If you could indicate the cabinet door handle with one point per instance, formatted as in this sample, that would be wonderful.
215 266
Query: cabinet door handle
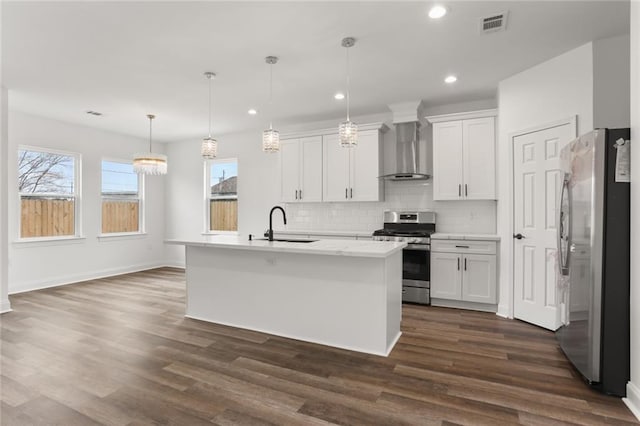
459 190
465 190
296 191
351 195
462 246
346 193
465 263
458 264
300 194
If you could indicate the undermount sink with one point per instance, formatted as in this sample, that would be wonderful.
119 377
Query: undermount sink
282 240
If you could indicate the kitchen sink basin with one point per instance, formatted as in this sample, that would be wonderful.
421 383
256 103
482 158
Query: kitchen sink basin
282 240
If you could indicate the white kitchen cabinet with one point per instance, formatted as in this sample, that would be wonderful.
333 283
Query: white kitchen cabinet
464 156
446 279
301 170
352 174
464 271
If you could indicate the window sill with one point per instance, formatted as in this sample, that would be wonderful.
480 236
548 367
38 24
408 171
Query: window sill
220 233
122 236
47 241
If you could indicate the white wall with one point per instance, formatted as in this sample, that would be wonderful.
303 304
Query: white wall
5 305
553 90
633 388
38 264
610 69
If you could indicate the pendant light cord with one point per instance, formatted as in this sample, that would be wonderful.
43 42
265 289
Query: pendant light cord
348 81
209 77
150 125
270 96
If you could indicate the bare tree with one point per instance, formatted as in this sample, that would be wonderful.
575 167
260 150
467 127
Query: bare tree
41 172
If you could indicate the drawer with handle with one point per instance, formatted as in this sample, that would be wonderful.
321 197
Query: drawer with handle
463 246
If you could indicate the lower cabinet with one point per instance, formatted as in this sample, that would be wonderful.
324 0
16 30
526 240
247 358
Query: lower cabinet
459 274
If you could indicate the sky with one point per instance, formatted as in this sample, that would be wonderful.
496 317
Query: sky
118 178
229 169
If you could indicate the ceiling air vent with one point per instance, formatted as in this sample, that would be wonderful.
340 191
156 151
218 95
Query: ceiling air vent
96 113
494 23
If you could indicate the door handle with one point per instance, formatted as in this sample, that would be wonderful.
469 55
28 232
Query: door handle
458 264
465 190
351 193
346 193
300 194
465 263
459 190
518 236
296 191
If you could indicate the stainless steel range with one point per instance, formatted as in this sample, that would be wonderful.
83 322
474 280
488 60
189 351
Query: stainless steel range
414 228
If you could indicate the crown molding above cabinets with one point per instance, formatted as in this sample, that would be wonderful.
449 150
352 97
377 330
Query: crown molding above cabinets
462 115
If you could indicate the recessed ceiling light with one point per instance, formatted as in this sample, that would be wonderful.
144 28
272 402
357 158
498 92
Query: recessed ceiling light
252 111
339 96
437 12
451 79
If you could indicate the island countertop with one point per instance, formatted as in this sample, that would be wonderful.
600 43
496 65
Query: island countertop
357 248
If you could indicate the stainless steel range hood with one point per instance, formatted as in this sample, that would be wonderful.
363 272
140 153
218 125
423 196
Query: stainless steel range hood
407 164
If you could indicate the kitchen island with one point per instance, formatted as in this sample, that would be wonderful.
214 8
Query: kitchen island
341 293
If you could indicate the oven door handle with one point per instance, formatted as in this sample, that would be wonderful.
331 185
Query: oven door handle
421 247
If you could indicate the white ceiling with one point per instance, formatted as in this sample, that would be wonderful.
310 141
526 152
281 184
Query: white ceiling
128 59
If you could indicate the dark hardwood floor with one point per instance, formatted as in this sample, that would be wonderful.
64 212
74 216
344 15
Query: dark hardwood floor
118 351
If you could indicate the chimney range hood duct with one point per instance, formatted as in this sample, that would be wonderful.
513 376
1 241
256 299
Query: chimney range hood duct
407 138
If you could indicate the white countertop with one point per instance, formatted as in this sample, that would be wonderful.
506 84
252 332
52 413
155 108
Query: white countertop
469 237
358 248
358 234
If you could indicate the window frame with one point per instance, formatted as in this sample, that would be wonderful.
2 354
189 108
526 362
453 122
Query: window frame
141 203
207 194
76 195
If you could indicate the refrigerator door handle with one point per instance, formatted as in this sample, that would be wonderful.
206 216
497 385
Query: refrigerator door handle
564 225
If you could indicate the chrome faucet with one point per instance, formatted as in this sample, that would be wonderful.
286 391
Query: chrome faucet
269 233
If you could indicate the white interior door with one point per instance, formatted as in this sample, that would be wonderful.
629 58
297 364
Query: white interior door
537 183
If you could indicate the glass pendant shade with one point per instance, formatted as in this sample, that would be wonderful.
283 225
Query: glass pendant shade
209 148
348 132
149 163
270 141
271 137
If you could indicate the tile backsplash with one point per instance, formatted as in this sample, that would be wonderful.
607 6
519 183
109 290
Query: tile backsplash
452 216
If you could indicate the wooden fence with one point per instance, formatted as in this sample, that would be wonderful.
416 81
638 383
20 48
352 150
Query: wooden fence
223 215
120 216
42 217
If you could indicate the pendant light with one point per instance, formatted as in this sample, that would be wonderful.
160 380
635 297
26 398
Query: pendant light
271 137
209 149
348 130
149 163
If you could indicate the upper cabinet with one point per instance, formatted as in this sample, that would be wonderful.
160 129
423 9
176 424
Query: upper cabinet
301 169
464 156
353 174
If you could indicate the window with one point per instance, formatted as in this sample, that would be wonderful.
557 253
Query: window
121 200
48 188
222 195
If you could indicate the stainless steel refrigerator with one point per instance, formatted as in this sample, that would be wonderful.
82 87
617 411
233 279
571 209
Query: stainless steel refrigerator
594 259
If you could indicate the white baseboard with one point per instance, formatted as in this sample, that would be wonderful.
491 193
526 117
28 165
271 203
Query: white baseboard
503 311
175 264
75 278
633 399
5 306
